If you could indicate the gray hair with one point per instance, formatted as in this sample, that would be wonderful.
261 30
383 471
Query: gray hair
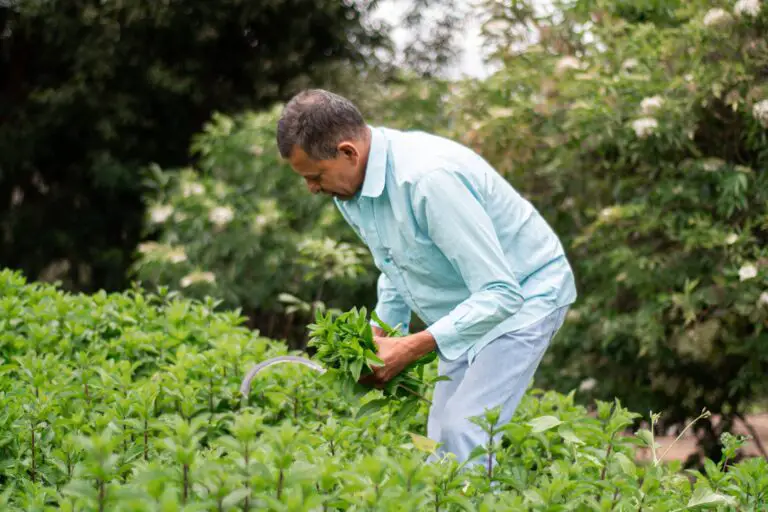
316 121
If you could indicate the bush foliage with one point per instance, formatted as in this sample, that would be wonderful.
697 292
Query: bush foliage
640 130
129 402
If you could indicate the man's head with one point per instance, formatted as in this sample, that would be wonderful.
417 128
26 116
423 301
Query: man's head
326 140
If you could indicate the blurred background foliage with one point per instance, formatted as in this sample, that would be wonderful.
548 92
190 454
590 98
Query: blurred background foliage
137 142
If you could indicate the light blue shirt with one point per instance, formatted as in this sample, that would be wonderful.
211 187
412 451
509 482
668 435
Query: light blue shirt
454 243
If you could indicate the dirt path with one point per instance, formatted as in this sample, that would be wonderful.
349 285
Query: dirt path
687 444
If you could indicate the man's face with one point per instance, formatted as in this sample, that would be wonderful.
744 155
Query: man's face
340 177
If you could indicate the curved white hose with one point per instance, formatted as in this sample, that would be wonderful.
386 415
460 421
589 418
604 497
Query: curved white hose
245 387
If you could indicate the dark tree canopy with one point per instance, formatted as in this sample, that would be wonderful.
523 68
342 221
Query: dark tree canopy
91 92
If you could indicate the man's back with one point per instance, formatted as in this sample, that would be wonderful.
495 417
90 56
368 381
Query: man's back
443 225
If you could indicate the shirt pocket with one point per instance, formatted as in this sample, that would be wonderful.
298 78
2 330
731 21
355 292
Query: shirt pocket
425 264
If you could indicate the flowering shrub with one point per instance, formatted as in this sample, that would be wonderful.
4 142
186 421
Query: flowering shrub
129 402
241 226
640 130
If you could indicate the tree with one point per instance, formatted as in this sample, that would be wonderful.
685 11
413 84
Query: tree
640 129
91 92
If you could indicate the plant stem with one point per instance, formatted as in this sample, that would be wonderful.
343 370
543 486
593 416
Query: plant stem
607 456
210 395
186 483
146 440
247 503
702 415
414 393
102 495
280 484
490 456
34 467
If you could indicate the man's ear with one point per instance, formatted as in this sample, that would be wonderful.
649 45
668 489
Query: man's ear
349 150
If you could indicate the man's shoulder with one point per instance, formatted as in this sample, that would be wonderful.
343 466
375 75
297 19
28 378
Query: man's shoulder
416 153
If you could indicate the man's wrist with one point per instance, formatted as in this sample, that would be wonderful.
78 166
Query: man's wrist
419 344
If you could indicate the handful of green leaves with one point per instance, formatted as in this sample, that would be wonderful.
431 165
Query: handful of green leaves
345 347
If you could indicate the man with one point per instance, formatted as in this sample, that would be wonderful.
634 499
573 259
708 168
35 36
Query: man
454 242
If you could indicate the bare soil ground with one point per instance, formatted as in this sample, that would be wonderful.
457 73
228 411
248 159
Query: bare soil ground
687 444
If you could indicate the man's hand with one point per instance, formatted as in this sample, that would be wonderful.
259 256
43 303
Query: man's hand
378 332
397 353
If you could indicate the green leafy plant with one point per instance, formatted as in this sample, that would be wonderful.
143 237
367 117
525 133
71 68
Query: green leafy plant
128 402
344 344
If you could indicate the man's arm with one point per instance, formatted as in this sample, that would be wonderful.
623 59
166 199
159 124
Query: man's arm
448 209
390 307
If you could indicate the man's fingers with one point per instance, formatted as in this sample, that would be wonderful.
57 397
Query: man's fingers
373 379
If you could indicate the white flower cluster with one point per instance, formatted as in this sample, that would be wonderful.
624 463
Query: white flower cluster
644 126
197 277
160 213
747 271
221 216
566 63
712 164
268 214
650 105
629 64
156 251
760 111
192 189
717 17
647 124
747 7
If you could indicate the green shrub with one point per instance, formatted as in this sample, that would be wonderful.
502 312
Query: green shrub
241 226
640 130
129 402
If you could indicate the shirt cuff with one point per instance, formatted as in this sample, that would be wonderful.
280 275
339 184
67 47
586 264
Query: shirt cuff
448 339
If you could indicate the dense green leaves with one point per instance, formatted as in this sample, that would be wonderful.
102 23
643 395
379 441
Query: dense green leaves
344 345
142 413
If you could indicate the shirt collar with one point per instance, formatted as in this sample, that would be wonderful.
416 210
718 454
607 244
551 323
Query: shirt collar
376 169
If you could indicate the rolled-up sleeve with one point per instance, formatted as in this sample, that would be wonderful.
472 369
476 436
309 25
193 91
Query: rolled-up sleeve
447 207
390 307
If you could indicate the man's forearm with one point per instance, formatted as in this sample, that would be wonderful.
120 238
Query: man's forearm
419 344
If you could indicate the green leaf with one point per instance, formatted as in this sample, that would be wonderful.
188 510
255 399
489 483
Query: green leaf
372 359
372 406
568 435
407 408
543 423
704 496
355 368
647 437
627 466
422 443
235 497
